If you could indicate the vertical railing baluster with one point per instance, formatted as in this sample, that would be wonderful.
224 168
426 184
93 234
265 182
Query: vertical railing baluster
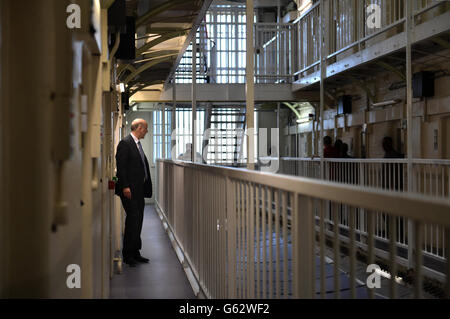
247 240
431 238
270 241
304 246
216 208
239 239
430 180
418 259
209 228
277 243
251 254
392 256
285 245
264 244
222 234
336 247
436 178
352 254
231 227
447 267
322 248
370 245
258 241
437 239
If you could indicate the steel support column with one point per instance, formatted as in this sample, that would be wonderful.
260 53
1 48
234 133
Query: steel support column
194 94
409 142
174 120
279 134
250 87
163 119
323 70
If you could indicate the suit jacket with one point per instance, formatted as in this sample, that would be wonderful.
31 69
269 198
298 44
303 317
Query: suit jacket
130 169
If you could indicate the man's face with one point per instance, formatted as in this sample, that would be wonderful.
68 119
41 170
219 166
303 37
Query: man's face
142 130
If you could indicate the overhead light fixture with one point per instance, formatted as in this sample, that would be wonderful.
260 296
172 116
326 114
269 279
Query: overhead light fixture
120 87
385 103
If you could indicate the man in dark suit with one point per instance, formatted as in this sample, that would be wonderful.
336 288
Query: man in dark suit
133 185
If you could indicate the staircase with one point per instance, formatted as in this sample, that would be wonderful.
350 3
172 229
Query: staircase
184 69
225 140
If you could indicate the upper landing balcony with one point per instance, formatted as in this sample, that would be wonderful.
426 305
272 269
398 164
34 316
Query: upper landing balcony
361 38
365 37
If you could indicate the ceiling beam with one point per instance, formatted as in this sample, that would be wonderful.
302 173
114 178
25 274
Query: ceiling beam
142 20
220 93
145 67
441 42
161 39
389 67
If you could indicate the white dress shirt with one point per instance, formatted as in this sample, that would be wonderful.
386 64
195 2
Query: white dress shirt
136 140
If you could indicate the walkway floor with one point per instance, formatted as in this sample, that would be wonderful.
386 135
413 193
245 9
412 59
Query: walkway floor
163 277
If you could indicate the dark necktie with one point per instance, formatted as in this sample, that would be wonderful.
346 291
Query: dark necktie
141 151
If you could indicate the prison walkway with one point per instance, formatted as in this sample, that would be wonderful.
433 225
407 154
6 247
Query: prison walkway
163 277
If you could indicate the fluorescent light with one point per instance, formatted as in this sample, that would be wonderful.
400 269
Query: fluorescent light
302 121
385 103
120 87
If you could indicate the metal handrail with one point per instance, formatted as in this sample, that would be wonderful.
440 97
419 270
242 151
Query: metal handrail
366 160
218 214
359 39
367 197
307 12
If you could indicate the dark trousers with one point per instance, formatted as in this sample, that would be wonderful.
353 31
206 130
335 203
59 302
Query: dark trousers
134 209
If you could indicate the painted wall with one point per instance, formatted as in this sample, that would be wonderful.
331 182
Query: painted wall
430 117
56 212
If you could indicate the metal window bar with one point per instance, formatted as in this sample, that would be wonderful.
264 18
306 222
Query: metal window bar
221 42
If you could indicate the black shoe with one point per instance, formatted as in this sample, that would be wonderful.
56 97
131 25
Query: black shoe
141 259
130 262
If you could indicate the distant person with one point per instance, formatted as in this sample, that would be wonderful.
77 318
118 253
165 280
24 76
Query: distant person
338 147
388 148
329 151
187 155
392 179
392 173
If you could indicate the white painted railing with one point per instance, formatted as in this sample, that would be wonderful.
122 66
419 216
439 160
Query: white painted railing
247 234
348 27
275 48
430 177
